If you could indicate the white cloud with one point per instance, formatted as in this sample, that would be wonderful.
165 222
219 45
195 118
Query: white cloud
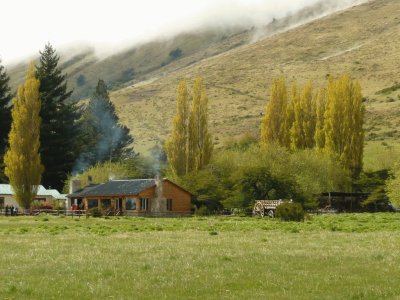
28 25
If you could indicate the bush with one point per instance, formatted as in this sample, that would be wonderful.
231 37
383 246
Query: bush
290 212
95 212
36 204
175 54
202 211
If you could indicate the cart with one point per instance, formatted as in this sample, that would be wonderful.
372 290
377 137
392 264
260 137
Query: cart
267 207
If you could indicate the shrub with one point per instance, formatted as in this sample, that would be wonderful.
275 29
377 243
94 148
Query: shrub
175 54
202 211
36 204
290 212
95 212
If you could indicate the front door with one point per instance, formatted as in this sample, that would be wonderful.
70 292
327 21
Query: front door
119 204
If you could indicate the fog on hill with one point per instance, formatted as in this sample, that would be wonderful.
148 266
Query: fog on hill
129 24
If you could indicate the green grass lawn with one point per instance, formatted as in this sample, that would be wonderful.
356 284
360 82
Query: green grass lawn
353 256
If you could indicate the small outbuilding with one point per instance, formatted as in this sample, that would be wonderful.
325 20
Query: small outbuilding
43 194
136 197
343 202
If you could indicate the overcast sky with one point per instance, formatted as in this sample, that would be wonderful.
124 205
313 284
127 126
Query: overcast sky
27 25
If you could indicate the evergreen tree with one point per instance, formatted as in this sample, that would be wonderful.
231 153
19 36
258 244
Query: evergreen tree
5 116
200 142
106 139
59 131
273 123
344 119
22 160
177 144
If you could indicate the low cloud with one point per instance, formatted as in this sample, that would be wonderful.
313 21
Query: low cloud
111 25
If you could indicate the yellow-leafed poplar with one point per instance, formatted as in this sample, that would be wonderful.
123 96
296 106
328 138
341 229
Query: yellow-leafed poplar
177 144
22 159
273 123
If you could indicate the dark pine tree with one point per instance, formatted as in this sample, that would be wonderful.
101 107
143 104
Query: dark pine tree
5 117
105 138
59 132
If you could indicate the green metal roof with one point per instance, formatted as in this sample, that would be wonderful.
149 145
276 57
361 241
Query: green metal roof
6 189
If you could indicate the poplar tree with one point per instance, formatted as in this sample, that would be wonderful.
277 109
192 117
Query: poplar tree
303 129
289 117
22 160
320 103
5 116
273 123
344 118
309 115
59 132
296 131
200 142
177 144
189 147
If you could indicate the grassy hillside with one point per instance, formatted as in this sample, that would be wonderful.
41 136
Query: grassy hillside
362 41
239 64
160 57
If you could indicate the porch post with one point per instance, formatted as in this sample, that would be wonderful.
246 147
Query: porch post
137 201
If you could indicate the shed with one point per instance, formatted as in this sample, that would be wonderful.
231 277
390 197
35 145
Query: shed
7 195
342 201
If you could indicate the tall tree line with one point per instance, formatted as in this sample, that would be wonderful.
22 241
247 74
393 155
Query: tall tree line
66 129
330 119
189 146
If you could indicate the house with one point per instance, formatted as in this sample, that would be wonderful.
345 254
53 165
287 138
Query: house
136 197
7 195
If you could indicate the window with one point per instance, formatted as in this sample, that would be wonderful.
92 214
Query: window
92 203
1 202
130 204
144 203
169 204
105 203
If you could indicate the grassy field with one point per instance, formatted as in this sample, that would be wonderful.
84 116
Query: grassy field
353 256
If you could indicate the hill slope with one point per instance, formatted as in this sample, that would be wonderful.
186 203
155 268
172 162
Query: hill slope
238 65
160 57
362 41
